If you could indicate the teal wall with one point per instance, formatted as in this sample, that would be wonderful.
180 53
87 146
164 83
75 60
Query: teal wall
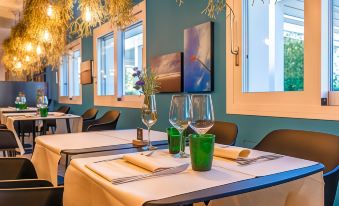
165 24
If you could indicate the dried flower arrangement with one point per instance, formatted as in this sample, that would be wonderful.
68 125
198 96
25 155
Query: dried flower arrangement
147 83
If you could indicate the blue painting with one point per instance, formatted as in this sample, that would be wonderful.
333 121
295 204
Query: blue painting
198 58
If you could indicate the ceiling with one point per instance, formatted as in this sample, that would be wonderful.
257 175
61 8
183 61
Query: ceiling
9 13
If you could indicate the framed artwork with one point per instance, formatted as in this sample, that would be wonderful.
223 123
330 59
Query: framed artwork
86 72
168 69
198 58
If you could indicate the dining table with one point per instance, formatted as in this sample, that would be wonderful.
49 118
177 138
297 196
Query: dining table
91 179
65 123
4 110
53 150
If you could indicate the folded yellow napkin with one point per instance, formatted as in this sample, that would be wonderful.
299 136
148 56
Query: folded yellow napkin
231 152
58 114
150 163
117 168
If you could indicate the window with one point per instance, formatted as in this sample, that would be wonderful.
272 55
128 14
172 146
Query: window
335 44
69 75
106 65
116 54
133 47
279 66
279 70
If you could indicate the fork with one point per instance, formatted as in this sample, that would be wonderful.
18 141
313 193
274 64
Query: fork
160 173
243 161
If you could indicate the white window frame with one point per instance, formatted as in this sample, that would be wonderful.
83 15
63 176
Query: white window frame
301 104
118 100
70 48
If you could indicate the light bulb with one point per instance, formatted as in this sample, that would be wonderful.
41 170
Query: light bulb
18 65
15 58
49 11
46 35
27 58
88 15
29 47
38 50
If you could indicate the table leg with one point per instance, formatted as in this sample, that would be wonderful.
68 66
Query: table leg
20 134
68 126
33 133
44 123
66 163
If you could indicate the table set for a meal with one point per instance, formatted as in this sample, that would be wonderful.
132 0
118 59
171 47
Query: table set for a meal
64 123
149 178
119 168
50 148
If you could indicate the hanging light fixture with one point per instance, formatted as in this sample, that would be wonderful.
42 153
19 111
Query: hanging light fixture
38 50
33 44
49 11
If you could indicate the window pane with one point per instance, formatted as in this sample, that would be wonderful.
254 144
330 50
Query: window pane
76 73
335 45
133 45
105 65
63 84
274 54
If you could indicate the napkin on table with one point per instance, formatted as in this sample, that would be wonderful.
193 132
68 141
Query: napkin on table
231 152
117 168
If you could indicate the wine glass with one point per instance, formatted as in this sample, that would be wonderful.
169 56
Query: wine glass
180 117
149 117
202 113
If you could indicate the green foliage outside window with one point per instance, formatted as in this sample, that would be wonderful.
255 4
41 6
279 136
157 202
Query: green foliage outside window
293 64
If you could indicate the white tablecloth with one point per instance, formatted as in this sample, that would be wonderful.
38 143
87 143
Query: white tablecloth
86 188
75 123
4 110
46 155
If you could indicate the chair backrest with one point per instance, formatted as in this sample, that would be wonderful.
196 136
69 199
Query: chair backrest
2 126
90 114
225 132
63 109
7 140
24 183
315 146
40 196
107 122
16 168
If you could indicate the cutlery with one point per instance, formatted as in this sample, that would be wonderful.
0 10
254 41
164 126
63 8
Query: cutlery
246 161
160 173
107 160
148 154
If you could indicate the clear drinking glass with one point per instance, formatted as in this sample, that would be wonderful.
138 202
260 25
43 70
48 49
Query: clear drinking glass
180 116
149 117
202 113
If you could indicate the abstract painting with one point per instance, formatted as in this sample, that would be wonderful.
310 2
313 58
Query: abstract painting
168 69
198 58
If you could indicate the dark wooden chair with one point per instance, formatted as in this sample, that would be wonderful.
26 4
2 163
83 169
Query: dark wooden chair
52 123
88 118
225 132
315 146
2 126
30 193
8 144
107 122
16 168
